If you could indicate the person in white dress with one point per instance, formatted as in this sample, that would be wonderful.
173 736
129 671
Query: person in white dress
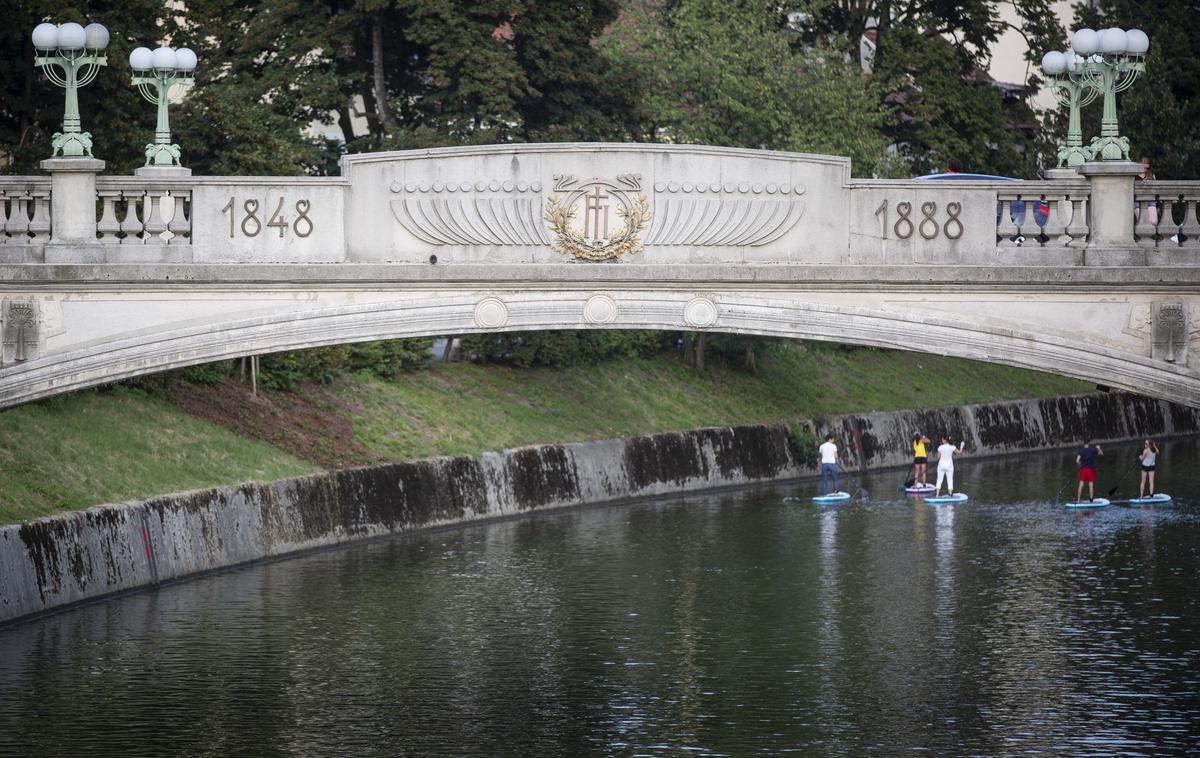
946 453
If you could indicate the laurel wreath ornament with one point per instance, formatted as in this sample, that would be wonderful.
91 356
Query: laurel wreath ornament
628 240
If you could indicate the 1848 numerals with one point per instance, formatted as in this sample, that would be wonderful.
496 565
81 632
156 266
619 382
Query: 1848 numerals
927 227
251 225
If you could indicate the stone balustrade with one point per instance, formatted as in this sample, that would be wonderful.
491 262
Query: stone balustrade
24 210
563 203
1050 214
138 211
1166 215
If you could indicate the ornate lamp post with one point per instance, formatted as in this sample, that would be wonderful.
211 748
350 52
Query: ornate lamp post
154 73
1063 75
1114 60
71 57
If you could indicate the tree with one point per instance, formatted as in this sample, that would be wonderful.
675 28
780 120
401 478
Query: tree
1160 113
723 73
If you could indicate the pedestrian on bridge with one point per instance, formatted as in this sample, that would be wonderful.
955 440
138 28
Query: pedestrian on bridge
1085 458
829 464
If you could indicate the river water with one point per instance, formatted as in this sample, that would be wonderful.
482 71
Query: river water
717 624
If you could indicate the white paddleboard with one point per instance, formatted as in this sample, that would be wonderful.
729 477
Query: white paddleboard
957 497
1099 502
832 498
1156 499
919 489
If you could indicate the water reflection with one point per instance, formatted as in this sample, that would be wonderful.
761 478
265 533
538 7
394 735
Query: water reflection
718 624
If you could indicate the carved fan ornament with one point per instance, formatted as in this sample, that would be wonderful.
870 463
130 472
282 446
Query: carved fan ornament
593 241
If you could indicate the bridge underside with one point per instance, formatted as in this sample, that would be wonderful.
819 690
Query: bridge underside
97 324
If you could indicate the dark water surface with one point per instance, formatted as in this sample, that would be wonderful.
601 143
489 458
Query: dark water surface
729 623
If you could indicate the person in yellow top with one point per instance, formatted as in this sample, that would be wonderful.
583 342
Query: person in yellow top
919 459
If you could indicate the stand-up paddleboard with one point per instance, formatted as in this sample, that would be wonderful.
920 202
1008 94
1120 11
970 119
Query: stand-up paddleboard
1156 499
957 497
920 489
1099 502
833 498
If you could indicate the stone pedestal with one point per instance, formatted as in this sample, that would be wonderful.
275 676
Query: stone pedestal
1060 174
162 172
1111 240
72 199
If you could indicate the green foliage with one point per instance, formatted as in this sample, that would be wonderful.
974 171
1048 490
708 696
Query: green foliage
386 359
804 444
721 73
207 373
1160 113
562 348
952 117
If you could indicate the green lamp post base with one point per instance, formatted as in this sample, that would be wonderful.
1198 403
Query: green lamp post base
72 144
1110 148
162 155
1072 156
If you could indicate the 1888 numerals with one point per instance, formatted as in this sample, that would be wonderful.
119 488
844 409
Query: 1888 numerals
928 227
252 225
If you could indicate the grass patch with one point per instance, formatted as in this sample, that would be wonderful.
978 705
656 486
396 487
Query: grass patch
86 448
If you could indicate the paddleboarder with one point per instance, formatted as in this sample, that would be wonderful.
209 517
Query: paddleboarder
946 452
1148 458
829 463
1085 458
919 459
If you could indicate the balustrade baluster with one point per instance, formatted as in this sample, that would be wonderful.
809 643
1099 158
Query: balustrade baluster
1078 228
180 226
3 216
1005 228
108 226
1056 221
1167 228
132 225
1146 224
39 225
17 225
1028 227
155 223
1190 229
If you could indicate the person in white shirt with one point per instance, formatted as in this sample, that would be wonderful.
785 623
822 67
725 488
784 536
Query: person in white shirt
946 453
829 465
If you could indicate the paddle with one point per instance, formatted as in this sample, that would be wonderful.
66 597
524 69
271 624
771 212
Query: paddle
1122 479
1058 495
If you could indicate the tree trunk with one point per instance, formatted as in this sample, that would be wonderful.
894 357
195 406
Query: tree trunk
448 350
380 83
749 363
701 348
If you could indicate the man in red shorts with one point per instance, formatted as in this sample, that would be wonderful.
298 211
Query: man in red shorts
1085 458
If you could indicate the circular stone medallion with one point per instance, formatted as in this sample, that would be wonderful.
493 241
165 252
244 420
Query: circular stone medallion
600 309
491 313
700 312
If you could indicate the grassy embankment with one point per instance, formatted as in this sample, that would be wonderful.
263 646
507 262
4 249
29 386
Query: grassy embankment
108 446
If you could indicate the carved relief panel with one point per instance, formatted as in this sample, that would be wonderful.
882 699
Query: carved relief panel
1170 332
19 330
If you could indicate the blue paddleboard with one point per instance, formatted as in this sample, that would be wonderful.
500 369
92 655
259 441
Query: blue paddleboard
833 498
957 497
1099 502
1156 499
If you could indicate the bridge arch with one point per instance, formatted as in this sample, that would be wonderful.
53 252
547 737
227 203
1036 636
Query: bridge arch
314 319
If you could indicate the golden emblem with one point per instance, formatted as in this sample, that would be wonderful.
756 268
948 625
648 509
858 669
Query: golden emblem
591 238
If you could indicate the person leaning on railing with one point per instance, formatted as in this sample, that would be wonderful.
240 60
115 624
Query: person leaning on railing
1147 175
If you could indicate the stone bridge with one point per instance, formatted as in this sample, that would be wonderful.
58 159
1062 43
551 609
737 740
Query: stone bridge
106 277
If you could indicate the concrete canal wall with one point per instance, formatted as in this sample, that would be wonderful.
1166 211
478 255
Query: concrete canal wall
83 555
